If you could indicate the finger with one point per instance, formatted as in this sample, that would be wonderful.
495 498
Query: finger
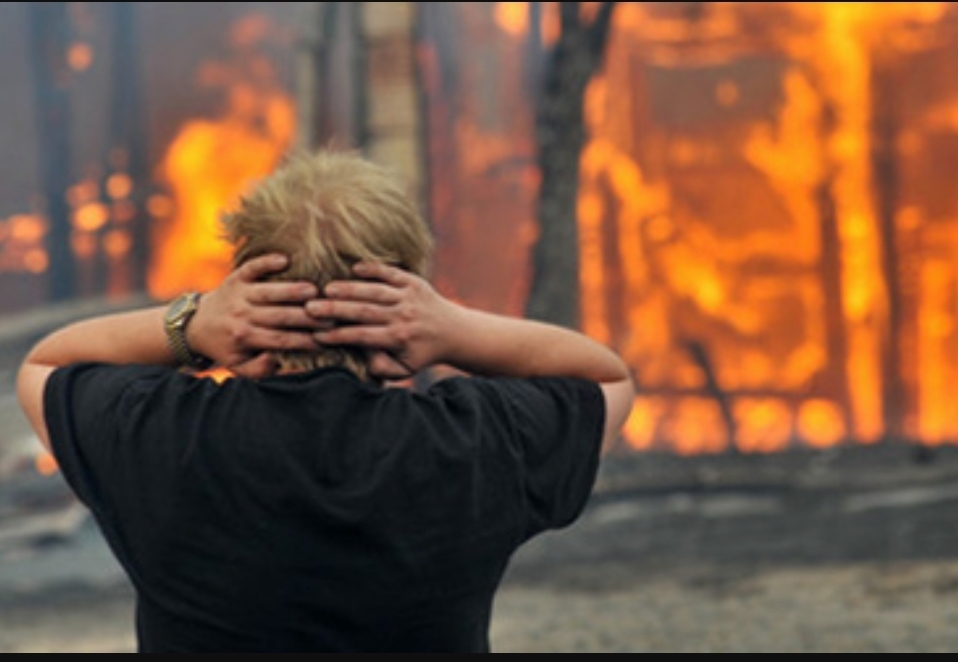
256 268
384 272
287 317
348 311
274 339
385 366
375 337
356 290
262 365
282 292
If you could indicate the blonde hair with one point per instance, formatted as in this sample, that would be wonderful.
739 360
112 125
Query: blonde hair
326 211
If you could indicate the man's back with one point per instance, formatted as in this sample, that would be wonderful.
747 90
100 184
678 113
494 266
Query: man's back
315 511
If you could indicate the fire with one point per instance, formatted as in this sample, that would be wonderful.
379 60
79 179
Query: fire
740 243
212 161
767 230
80 56
513 17
21 244
46 464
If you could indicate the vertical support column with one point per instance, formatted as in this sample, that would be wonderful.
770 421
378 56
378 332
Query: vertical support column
310 51
392 127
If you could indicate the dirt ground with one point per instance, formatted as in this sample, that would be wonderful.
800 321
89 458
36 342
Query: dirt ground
857 607
852 607
838 553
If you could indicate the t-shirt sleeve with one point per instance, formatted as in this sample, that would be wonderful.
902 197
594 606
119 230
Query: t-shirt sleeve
555 430
83 411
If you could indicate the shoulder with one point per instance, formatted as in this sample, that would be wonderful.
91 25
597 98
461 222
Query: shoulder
102 376
557 389
551 406
96 386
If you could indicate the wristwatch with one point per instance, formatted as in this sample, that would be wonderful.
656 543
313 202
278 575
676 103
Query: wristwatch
177 316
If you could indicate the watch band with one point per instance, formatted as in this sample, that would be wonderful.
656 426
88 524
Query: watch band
178 315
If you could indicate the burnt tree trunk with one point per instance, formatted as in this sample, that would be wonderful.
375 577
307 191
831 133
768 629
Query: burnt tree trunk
561 135
887 182
836 336
49 37
127 133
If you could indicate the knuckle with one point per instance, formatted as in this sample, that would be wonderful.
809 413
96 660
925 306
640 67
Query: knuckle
403 335
240 334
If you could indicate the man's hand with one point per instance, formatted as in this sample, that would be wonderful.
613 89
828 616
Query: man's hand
394 314
240 321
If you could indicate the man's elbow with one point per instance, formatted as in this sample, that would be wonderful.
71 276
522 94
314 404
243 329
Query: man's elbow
619 398
31 382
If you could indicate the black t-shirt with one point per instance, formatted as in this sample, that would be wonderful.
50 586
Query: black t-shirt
317 512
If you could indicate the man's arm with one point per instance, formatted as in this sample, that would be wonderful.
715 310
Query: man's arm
234 325
412 325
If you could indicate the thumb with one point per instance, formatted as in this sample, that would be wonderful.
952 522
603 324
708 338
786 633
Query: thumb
263 364
384 365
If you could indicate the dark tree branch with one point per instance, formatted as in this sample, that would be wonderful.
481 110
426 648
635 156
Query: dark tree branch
599 30
569 17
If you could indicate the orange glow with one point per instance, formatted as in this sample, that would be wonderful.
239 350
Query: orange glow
36 261
218 375
83 192
727 93
212 161
122 211
117 243
160 206
84 245
937 420
639 428
762 426
695 426
513 18
91 217
119 185
820 423
27 228
45 464
22 244
79 56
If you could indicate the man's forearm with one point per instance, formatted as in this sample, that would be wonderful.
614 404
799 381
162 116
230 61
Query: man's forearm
486 343
128 337
490 344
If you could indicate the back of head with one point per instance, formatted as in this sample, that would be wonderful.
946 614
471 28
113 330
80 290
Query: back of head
326 211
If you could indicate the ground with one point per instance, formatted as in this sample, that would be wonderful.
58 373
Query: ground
859 607
851 550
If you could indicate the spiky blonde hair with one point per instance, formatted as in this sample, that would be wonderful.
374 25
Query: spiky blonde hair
326 211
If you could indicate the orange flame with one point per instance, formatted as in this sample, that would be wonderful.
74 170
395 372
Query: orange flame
212 161
21 244
45 464
718 227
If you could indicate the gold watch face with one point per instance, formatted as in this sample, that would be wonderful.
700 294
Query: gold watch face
180 309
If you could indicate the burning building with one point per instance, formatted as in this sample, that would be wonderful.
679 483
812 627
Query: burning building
765 224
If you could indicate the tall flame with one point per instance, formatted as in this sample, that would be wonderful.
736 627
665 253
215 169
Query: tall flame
675 257
734 234
211 162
